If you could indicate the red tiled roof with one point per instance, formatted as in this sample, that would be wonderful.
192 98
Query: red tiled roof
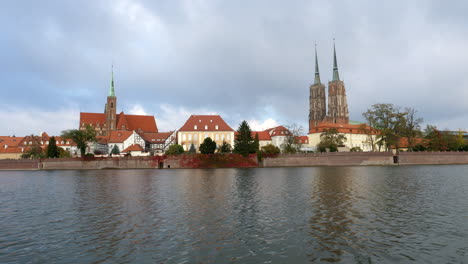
131 122
142 123
156 137
119 136
302 139
276 131
92 118
10 141
11 150
133 147
122 121
342 128
208 121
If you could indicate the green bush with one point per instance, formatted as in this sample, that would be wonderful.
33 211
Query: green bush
175 149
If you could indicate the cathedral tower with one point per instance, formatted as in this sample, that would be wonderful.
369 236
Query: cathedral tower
111 108
337 102
317 107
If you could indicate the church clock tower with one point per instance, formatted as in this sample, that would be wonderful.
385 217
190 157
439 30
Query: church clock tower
111 108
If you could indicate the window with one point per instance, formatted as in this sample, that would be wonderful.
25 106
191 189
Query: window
195 127
190 137
25 143
195 137
199 121
206 135
47 142
184 137
30 142
216 127
62 142
217 136
42 142
228 137
152 139
211 121
206 127
282 132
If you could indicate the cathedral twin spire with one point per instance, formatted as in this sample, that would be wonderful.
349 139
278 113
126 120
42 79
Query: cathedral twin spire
111 90
336 75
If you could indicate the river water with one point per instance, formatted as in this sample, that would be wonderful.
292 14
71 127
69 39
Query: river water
403 214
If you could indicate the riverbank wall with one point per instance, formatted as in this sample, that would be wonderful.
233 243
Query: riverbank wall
330 159
428 158
172 162
237 161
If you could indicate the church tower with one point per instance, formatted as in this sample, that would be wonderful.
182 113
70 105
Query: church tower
111 108
317 107
337 102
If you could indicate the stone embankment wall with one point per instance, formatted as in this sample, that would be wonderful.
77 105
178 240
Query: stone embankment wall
211 161
415 158
330 159
100 163
28 164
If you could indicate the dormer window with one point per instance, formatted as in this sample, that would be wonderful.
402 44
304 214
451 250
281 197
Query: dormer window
68 142
206 127
216 127
47 142
199 120
195 127
152 139
211 121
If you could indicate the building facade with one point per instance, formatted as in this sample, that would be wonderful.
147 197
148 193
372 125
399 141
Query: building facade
199 127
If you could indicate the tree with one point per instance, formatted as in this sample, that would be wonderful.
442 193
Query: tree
175 149
35 152
115 150
225 148
63 153
331 139
244 143
52 149
388 119
411 127
192 149
291 143
208 146
270 150
256 144
80 137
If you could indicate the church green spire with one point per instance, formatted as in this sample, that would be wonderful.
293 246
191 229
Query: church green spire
112 91
336 75
317 73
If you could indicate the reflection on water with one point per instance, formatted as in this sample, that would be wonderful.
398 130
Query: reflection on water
282 215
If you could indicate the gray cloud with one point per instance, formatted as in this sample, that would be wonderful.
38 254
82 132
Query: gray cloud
247 60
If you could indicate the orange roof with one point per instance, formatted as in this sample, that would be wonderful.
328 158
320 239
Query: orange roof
142 123
133 147
156 137
10 141
278 131
342 128
11 150
119 136
92 118
122 121
205 123
131 122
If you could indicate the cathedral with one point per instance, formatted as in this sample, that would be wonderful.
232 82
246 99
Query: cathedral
336 114
337 103
105 123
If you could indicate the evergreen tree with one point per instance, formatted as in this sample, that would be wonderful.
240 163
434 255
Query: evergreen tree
52 149
208 146
115 150
192 149
256 144
244 142
225 148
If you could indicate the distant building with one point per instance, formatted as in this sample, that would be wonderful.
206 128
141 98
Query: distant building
105 123
337 116
199 127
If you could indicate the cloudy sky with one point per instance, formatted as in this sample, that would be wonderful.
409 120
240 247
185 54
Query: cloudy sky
250 60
